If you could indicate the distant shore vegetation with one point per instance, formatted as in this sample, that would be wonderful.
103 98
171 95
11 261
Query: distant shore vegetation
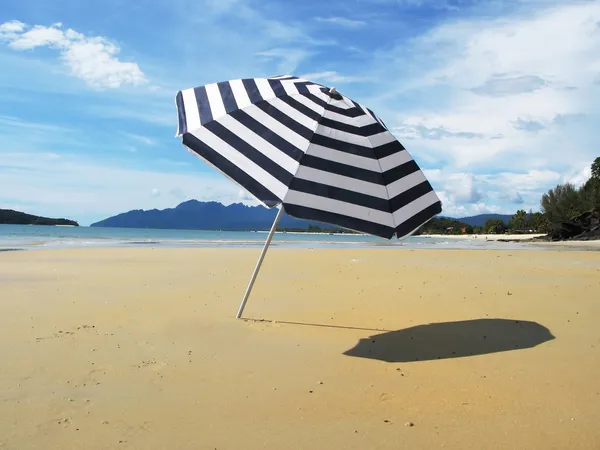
12 217
561 207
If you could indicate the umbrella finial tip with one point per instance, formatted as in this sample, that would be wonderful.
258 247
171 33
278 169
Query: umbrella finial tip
333 93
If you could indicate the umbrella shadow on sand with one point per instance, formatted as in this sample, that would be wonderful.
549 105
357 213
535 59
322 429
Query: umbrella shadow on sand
451 340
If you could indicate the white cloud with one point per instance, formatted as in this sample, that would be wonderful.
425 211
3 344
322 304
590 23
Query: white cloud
468 95
92 59
525 181
458 187
463 188
342 21
155 192
504 107
520 54
178 194
453 209
580 177
466 193
245 197
12 26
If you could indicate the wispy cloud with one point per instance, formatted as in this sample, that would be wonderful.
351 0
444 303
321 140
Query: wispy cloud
93 59
286 59
517 198
532 126
342 21
333 77
469 90
88 190
498 86
568 119
17 123
496 77
139 138
168 162
17 134
156 115
433 133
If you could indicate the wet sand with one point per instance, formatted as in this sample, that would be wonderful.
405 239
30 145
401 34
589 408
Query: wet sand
590 245
349 349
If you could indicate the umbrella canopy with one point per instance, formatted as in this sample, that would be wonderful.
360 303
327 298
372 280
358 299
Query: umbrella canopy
310 149
302 145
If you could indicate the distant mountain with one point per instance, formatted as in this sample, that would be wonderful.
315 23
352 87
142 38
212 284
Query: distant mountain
195 215
12 217
481 219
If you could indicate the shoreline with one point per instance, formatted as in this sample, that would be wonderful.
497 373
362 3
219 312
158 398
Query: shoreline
444 245
486 237
22 238
522 238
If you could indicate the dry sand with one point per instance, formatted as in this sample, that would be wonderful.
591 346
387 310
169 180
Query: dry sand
139 349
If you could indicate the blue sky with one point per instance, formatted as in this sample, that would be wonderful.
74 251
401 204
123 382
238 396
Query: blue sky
497 100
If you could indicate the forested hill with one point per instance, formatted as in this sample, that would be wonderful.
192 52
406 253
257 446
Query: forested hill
12 217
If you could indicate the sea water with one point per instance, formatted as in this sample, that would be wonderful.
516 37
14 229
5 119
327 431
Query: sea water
30 237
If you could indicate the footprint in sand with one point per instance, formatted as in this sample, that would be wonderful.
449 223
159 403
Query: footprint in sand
91 379
151 364
64 334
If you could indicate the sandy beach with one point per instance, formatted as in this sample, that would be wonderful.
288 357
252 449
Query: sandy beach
348 349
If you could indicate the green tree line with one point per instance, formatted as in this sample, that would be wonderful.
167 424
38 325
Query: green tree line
12 217
566 201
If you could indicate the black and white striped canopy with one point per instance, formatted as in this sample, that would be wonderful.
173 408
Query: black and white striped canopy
298 143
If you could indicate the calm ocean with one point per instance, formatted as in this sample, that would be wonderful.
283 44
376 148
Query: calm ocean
29 237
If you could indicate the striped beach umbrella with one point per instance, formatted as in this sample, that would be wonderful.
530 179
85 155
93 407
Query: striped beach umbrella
309 149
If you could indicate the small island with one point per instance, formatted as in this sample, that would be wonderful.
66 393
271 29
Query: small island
12 217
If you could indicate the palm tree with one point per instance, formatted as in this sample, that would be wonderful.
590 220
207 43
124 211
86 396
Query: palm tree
519 220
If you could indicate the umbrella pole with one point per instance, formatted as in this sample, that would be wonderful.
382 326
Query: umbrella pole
259 263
